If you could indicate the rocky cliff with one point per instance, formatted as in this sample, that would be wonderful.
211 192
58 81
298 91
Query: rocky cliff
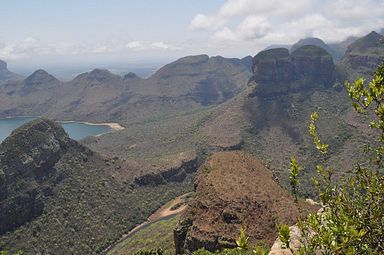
277 72
365 54
27 170
233 190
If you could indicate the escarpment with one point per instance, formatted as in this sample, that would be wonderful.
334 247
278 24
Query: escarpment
277 72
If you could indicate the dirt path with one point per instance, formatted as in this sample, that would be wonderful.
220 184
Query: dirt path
166 210
163 212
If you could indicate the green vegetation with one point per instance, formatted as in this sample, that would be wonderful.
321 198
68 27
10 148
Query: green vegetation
150 252
3 251
352 219
8 253
241 249
158 234
282 122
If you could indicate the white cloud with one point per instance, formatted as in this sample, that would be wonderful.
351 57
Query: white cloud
145 45
161 45
206 22
30 47
225 34
134 45
253 27
260 22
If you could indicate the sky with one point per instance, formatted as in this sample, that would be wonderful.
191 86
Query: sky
55 33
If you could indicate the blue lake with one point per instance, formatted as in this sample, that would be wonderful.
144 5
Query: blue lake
76 130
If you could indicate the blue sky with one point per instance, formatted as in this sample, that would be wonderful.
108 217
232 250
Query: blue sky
89 20
48 32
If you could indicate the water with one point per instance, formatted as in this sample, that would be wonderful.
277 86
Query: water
75 130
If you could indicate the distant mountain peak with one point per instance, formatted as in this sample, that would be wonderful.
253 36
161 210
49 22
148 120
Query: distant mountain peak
374 34
316 42
3 65
39 77
365 54
97 75
310 50
6 75
100 71
371 40
195 59
131 76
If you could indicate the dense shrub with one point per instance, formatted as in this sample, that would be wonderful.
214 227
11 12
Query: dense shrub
352 218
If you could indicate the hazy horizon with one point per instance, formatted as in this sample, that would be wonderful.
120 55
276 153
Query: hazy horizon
116 34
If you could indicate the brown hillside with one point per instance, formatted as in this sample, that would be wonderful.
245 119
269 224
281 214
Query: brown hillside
233 190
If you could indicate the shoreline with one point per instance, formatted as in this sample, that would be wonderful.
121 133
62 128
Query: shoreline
112 125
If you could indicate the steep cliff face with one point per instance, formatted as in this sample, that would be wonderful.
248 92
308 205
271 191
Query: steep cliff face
233 190
277 72
365 54
27 165
314 66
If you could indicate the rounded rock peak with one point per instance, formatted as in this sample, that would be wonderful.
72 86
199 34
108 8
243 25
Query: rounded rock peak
273 53
310 50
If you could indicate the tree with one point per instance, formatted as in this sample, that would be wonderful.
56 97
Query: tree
352 218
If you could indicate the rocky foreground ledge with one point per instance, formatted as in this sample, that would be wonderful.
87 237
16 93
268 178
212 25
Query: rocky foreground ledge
234 190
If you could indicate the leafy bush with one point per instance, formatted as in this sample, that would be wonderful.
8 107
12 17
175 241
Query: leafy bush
241 249
150 252
352 218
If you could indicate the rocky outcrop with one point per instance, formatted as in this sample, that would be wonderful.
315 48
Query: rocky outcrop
277 72
27 166
314 66
365 54
233 190
6 75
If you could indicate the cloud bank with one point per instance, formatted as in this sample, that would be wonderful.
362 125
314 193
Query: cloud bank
275 21
30 47
236 28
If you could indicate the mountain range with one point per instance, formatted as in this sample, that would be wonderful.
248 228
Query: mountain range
174 120
100 95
